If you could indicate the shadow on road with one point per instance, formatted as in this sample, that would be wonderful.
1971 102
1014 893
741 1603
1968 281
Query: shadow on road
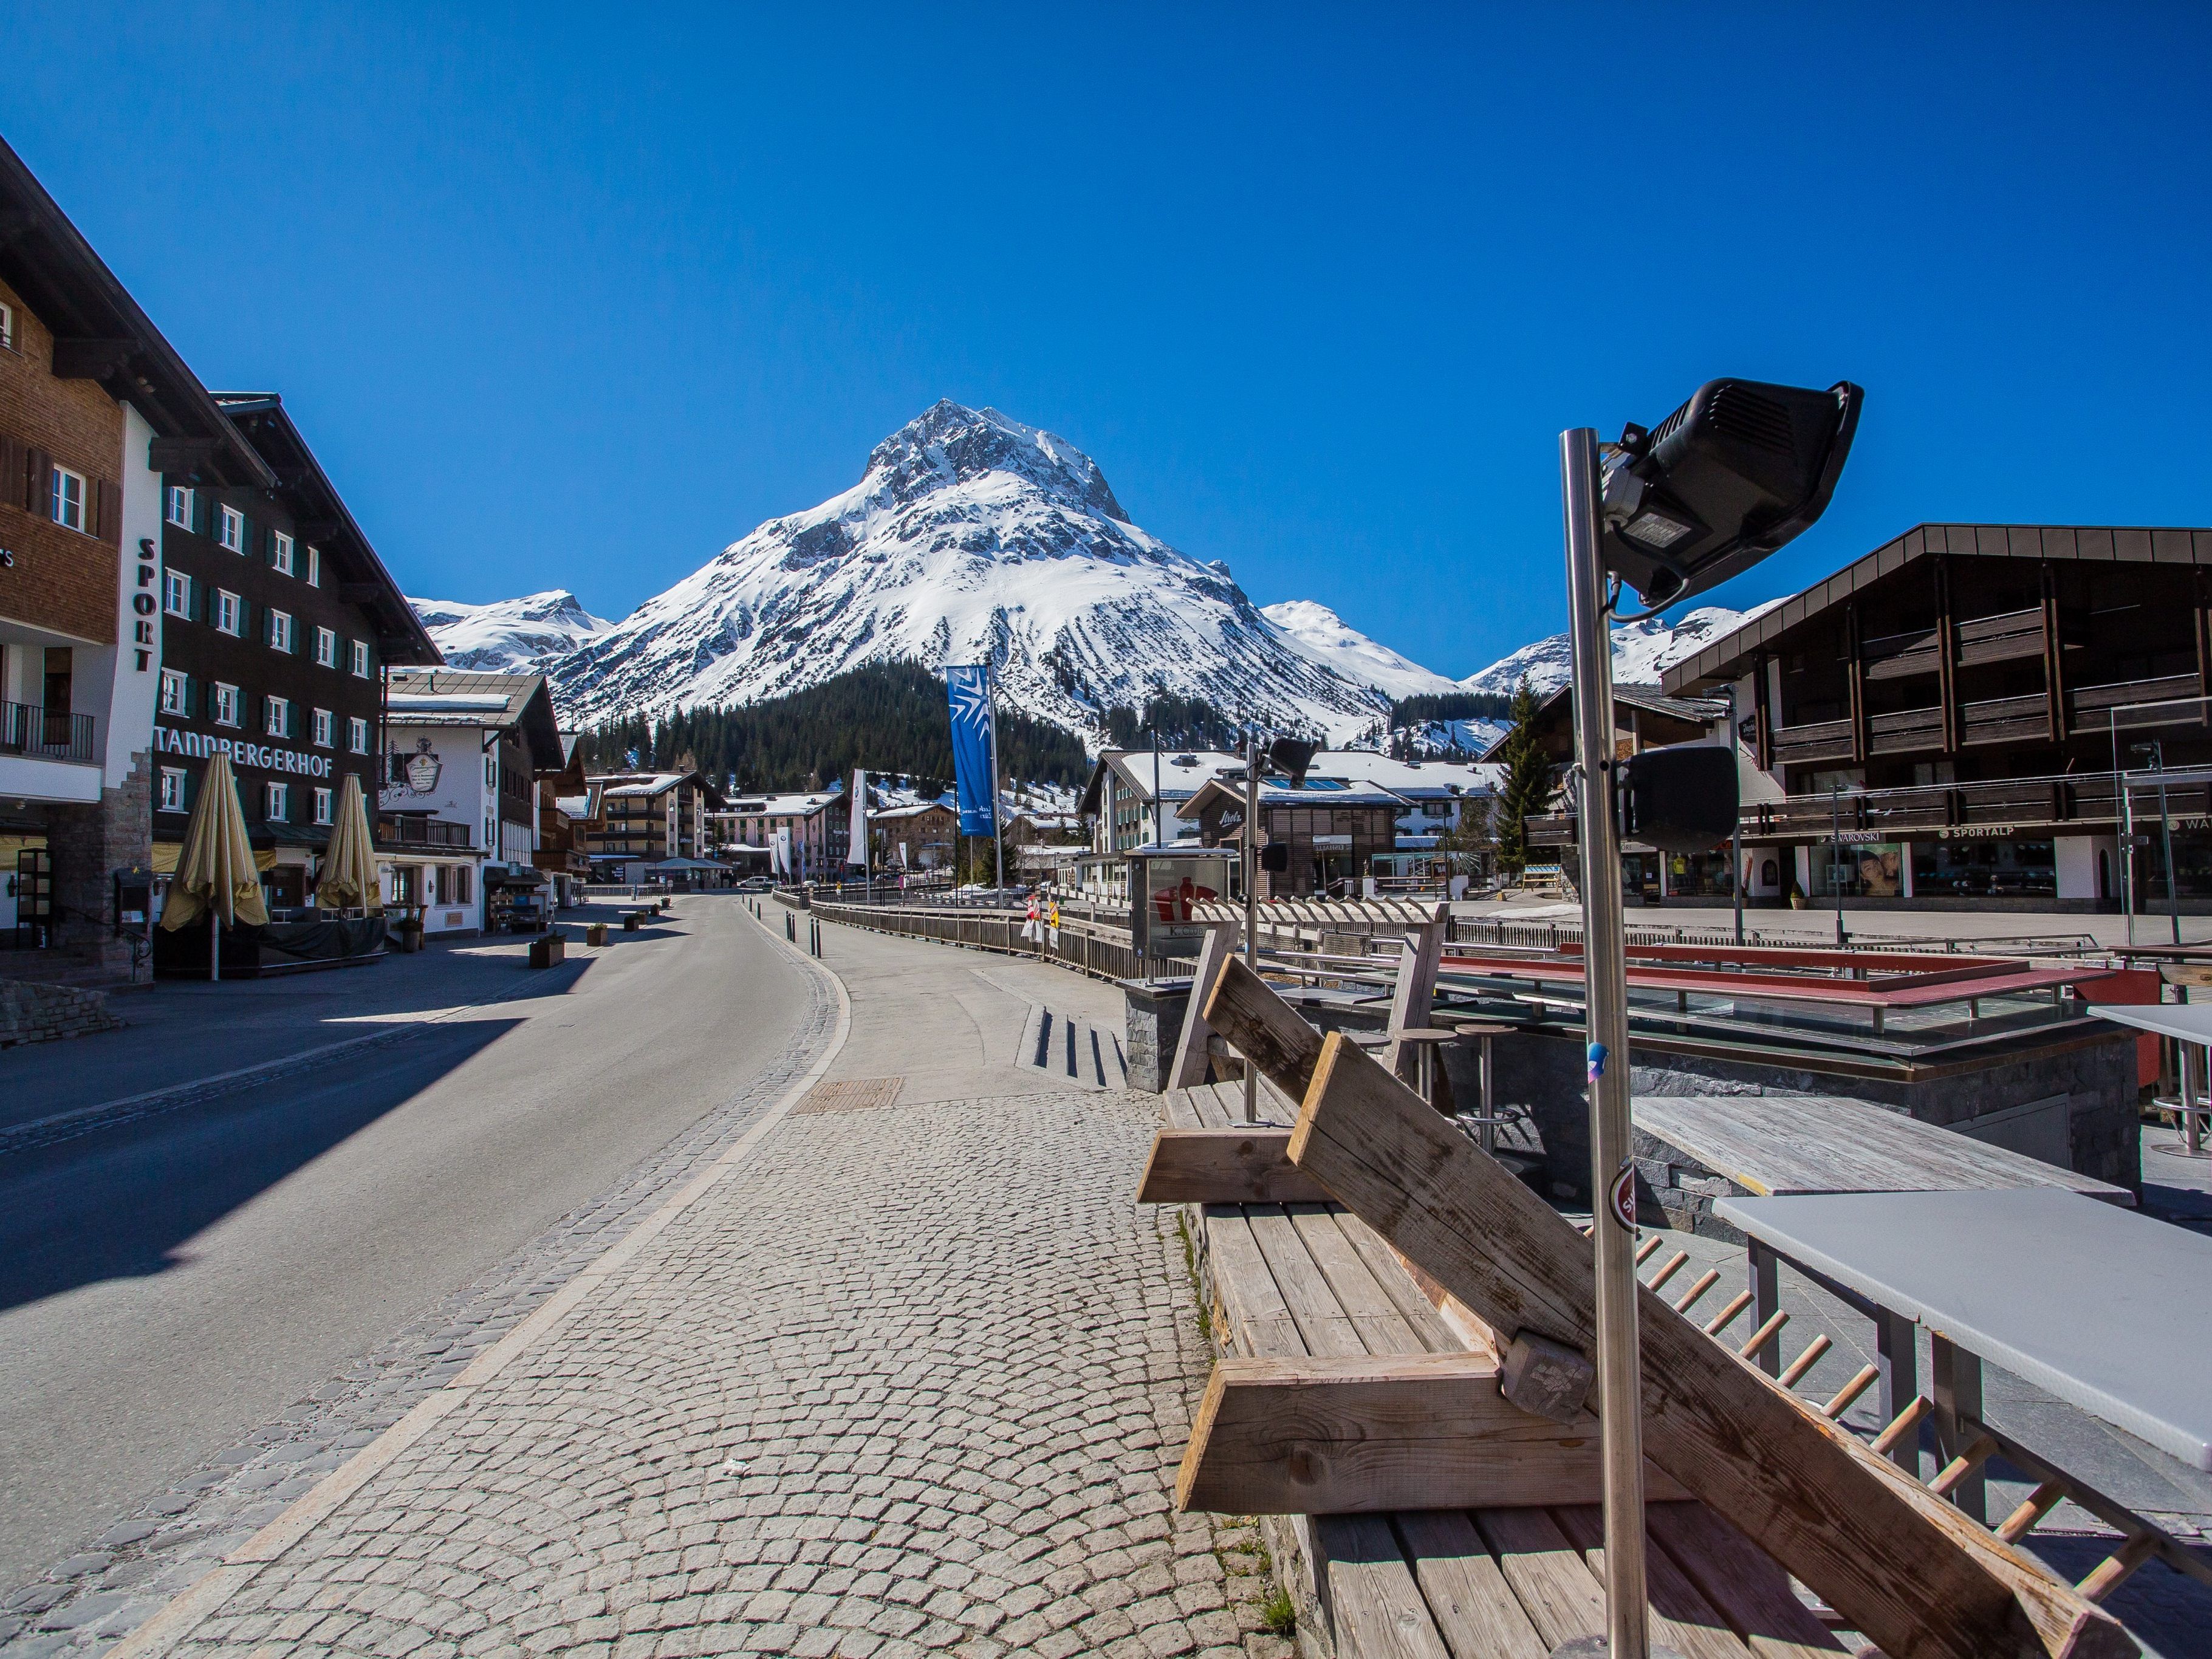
120 1202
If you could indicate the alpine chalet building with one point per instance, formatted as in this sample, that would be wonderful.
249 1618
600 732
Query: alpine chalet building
1941 723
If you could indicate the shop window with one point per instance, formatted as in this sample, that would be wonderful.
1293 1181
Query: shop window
322 725
177 506
357 734
230 528
223 704
276 802
228 611
67 498
1984 869
177 594
280 631
322 804
280 555
176 690
1699 875
327 646
1863 870
173 789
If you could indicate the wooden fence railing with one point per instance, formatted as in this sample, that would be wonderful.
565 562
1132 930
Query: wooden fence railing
1098 949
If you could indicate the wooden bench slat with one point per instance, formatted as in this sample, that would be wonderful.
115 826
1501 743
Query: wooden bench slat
1225 1166
1375 1604
1413 1304
1260 1321
1475 1610
1681 1618
1548 1574
1181 1110
1321 1320
1382 1329
1740 1580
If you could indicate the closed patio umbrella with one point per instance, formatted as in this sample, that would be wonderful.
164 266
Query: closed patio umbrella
349 877
215 872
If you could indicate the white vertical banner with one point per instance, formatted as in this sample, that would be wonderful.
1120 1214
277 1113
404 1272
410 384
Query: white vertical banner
857 852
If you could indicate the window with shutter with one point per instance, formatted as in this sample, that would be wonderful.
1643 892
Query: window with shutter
38 483
108 508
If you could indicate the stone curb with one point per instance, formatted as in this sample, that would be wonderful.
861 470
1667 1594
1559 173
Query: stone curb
206 1595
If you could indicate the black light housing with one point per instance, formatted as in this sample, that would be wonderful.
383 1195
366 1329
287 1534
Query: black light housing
1725 480
1292 756
1679 800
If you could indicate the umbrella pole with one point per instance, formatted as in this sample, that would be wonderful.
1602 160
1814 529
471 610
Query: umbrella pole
215 946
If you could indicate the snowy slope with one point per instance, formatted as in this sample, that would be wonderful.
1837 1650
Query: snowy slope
526 636
1318 632
970 536
1641 651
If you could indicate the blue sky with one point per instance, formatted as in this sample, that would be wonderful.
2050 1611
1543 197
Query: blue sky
576 297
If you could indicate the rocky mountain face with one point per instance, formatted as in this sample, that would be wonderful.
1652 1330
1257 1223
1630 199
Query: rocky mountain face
528 636
970 537
1642 651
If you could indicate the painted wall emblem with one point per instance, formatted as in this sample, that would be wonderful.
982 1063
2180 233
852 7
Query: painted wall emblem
423 768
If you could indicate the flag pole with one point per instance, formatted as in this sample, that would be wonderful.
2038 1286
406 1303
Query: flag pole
998 836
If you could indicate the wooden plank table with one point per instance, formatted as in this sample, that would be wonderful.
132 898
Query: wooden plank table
1489 1583
1770 1144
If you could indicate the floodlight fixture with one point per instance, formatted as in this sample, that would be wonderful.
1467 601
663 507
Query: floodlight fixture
1291 757
1725 481
1681 799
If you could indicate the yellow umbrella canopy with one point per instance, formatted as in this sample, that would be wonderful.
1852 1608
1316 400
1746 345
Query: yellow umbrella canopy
349 878
215 870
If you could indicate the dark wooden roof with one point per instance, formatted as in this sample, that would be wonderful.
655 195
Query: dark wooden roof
100 335
322 516
2088 543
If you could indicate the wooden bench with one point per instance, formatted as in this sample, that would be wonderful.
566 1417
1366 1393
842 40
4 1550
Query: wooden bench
1511 1578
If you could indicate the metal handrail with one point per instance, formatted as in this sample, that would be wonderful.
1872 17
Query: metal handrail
28 729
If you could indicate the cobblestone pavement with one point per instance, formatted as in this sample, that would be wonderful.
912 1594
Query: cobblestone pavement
910 1378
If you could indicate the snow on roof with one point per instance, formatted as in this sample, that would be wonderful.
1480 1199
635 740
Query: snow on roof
445 702
1404 777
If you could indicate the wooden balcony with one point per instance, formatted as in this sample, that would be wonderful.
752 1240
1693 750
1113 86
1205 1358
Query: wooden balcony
2006 720
1907 730
1900 656
2005 638
2088 703
1794 745
1896 814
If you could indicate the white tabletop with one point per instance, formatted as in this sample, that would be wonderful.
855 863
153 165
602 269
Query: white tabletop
2191 1022
2101 1307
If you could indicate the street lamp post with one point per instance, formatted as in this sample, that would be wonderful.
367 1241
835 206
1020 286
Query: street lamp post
1252 897
1836 854
2156 750
1722 482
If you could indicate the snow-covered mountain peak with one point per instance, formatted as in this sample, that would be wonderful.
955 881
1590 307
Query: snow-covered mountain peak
1318 632
970 537
1642 651
951 444
526 636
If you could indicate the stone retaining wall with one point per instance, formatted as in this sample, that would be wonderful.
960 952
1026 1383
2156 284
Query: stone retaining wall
41 1013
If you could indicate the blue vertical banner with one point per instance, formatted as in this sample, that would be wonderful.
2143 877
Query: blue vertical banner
974 762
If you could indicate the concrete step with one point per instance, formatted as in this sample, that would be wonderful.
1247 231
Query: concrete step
1072 1052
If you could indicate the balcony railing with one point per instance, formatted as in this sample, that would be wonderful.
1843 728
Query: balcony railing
26 729
395 830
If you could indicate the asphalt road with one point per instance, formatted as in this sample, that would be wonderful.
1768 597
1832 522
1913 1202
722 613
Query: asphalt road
168 1285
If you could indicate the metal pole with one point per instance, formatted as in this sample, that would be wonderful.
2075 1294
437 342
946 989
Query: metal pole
1251 898
2166 837
1735 830
998 835
1612 1171
1159 834
1836 854
2127 827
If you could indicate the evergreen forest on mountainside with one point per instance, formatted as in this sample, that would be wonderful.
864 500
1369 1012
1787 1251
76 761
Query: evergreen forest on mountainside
1450 706
890 717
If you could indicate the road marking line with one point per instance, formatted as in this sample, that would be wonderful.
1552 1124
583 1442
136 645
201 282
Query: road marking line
207 1594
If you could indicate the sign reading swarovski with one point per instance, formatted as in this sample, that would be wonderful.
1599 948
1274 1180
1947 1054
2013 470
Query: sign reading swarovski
200 745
